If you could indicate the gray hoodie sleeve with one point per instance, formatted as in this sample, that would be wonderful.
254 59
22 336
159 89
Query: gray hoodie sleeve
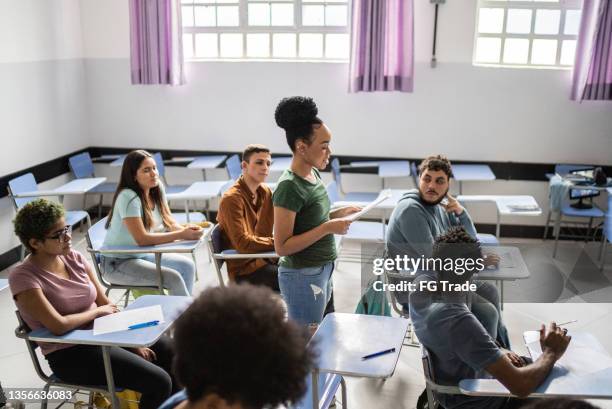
416 231
466 221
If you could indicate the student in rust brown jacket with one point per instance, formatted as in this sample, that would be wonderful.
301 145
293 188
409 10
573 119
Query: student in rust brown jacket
246 217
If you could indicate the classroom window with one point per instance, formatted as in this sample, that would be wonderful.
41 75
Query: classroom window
266 29
526 33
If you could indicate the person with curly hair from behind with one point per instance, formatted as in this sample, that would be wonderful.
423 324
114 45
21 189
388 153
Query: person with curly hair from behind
244 357
304 226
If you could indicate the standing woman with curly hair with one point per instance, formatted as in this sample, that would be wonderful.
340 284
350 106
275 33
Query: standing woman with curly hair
140 216
304 227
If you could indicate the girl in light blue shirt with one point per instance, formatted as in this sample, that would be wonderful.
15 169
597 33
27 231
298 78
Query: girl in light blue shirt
140 216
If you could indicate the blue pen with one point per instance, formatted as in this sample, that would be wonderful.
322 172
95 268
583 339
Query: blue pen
375 354
144 324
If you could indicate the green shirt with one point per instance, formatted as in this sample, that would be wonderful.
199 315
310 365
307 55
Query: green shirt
128 204
311 204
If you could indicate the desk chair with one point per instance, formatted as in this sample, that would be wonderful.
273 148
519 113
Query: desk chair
220 255
563 170
95 238
559 206
234 167
607 231
349 196
27 183
414 172
397 306
82 166
487 239
50 380
430 383
328 385
161 170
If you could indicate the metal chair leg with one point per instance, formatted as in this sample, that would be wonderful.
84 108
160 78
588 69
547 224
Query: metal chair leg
84 202
588 233
127 298
557 233
195 263
602 246
100 207
43 405
343 390
603 254
546 227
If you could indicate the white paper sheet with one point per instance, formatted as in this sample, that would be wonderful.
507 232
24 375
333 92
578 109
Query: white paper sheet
121 321
524 207
384 195
581 357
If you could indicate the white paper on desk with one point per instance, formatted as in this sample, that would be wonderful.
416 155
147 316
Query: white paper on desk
524 207
579 359
121 321
384 195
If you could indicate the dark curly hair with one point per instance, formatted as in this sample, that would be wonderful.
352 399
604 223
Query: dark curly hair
235 342
297 115
455 244
35 220
436 162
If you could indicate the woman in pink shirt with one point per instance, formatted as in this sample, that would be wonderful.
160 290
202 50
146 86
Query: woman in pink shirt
56 288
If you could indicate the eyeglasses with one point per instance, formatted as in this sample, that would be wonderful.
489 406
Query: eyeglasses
62 235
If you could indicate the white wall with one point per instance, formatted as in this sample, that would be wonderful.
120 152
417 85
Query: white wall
42 81
470 113
42 92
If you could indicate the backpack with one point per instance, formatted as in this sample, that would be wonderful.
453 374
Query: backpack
373 302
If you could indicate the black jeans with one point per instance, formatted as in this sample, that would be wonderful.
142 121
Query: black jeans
83 364
266 275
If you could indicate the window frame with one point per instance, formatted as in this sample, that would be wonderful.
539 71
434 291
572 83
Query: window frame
244 28
534 6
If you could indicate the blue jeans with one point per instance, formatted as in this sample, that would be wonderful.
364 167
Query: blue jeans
178 272
306 291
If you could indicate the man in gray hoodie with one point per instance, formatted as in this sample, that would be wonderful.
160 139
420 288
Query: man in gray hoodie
427 212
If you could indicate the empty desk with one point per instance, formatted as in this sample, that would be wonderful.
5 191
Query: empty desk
200 191
462 173
511 267
280 164
506 205
118 162
74 187
206 162
387 169
343 339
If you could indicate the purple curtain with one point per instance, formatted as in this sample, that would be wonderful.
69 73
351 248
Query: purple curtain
592 76
156 42
382 46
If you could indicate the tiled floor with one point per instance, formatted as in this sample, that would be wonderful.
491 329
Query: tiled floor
401 390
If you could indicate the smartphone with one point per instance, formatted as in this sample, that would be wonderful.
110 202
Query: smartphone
444 202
